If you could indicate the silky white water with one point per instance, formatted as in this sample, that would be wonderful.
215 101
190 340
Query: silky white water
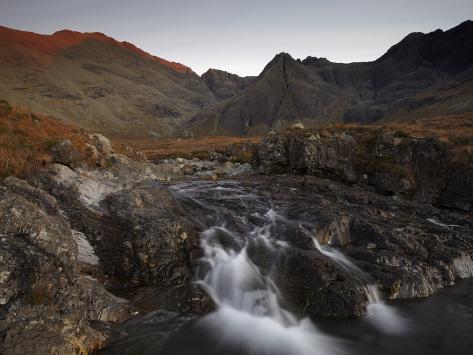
379 313
249 315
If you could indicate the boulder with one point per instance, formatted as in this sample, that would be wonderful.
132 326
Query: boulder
99 148
101 143
312 284
65 153
48 305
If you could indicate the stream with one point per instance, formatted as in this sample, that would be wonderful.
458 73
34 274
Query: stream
251 316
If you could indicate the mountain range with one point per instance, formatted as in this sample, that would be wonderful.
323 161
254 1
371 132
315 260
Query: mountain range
114 87
97 82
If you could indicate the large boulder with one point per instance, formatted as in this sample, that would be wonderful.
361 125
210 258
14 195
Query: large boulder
312 284
133 224
48 305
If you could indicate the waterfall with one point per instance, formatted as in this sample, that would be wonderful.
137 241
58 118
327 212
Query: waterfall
249 315
379 313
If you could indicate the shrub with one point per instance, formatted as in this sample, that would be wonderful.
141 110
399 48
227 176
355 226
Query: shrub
5 108
26 140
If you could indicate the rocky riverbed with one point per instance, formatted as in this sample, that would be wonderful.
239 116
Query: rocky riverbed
88 255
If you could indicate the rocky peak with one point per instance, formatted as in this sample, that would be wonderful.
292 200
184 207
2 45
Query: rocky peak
448 51
280 60
224 84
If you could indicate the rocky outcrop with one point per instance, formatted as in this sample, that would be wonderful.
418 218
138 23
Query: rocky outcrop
390 161
132 222
74 240
408 249
48 304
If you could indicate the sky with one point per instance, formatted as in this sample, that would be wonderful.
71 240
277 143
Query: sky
242 36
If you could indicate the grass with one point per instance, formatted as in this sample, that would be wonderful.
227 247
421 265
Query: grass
26 140
186 148
453 132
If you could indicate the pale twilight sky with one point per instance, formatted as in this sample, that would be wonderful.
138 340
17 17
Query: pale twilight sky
241 36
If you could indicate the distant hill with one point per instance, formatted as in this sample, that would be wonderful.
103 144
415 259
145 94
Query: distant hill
97 82
423 75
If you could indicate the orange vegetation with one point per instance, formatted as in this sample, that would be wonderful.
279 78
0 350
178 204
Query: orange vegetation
44 47
168 147
26 139
454 131
453 128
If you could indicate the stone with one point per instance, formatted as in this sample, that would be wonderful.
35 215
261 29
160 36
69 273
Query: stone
65 153
99 148
49 305
418 168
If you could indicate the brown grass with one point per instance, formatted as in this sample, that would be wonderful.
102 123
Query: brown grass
26 140
169 147
454 131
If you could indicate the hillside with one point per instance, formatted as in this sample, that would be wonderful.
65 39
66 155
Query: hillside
98 83
423 75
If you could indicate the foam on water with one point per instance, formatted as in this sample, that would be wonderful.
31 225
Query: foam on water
384 317
249 314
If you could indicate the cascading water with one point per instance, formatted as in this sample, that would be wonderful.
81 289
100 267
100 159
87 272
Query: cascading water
379 313
250 317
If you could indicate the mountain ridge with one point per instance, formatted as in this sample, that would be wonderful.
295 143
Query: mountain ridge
117 88
100 84
420 74
51 44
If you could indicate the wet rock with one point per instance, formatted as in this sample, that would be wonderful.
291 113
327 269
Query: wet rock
312 284
392 239
161 243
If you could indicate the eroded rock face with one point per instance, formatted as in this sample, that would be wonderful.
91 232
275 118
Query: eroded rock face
392 163
131 221
48 305
73 236
408 249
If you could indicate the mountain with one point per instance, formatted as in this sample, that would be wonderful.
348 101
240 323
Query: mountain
98 83
423 75
225 85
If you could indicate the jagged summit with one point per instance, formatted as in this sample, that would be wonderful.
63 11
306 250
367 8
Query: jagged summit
224 84
422 75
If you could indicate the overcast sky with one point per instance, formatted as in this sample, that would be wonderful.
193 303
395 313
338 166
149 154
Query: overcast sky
241 36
